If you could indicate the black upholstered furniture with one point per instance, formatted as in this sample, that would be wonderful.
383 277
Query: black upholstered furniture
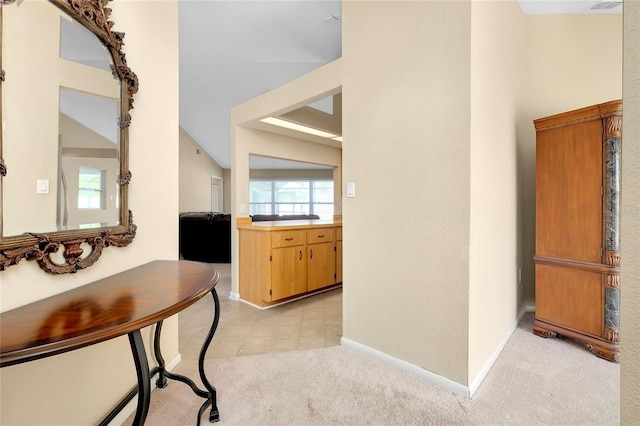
205 237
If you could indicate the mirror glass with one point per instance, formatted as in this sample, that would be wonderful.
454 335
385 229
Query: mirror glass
79 45
66 93
61 142
87 190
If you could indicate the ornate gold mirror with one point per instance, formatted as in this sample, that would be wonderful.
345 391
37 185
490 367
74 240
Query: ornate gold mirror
66 93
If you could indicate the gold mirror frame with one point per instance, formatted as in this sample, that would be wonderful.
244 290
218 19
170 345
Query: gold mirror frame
93 15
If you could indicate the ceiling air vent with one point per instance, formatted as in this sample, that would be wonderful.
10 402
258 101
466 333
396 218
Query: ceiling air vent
606 5
334 18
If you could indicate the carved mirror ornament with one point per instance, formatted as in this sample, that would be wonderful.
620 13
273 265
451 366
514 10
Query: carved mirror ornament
70 250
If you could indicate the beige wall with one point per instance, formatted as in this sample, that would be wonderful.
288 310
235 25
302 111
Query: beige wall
406 114
533 59
95 378
495 296
21 204
291 174
630 221
571 61
196 171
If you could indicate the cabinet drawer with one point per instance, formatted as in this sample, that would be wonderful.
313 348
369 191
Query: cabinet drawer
287 238
322 235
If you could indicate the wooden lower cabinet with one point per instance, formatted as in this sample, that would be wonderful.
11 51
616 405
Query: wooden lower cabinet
277 263
321 258
288 272
339 255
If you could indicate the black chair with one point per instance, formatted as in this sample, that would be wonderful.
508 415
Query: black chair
205 237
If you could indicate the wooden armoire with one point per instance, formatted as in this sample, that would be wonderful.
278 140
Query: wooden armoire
577 260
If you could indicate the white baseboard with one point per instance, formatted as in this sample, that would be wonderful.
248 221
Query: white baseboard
289 300
234 295
130 408
436 379
475 384
174 362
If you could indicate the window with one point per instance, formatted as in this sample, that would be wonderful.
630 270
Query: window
285 197
90 188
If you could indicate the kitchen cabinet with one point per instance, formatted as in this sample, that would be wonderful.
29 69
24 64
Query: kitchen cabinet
284 260
321 258
288 265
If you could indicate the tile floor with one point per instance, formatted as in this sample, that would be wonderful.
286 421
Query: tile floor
313 322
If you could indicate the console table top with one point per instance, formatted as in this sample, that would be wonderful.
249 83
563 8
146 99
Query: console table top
99 311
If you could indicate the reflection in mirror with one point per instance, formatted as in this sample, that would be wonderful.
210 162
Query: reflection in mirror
79 45
286 187
88 161
65 115
70 122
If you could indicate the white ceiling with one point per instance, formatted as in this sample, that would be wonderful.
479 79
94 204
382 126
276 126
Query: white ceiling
232 51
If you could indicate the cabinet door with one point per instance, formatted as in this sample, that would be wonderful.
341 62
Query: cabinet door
569 189
570 297
322 265
288 272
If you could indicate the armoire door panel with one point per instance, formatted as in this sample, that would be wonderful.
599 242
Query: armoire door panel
569 192
570 297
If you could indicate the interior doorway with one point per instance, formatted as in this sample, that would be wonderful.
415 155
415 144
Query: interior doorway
216 194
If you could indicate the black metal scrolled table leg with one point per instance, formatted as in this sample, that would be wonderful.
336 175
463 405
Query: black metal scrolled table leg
210 394
214 415
142 371
161 382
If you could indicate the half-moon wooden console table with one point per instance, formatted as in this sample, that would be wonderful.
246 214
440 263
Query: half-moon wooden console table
114 306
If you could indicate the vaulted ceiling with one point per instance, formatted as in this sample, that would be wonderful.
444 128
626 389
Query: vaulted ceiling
232 51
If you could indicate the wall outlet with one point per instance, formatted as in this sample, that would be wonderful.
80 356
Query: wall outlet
243 208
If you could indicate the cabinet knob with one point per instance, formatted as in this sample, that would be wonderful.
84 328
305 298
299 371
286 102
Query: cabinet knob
289 239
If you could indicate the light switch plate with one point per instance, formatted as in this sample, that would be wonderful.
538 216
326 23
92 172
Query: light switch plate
42 186
351 189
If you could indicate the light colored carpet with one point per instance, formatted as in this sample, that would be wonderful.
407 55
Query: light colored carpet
535 381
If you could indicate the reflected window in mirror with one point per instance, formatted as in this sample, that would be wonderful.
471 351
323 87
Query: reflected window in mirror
91 192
